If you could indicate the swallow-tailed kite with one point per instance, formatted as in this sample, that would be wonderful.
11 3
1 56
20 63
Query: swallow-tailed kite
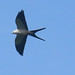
22 32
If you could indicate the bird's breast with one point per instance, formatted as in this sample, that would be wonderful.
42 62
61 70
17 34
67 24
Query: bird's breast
23 32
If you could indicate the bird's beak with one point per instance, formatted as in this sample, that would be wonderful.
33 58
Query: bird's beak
12 32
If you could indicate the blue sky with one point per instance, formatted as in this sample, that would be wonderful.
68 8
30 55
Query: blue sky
55 56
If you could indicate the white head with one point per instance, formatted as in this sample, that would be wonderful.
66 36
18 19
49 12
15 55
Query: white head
15 32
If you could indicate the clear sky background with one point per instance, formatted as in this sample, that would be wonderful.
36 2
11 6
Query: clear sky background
55 56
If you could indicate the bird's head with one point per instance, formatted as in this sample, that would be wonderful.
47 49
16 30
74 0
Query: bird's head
15 32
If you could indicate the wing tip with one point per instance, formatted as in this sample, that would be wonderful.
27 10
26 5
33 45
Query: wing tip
21 54
22 10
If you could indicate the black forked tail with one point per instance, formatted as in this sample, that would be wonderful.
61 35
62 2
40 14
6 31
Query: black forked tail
38 37
34 31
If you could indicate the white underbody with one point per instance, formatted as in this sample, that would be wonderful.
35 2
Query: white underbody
21 31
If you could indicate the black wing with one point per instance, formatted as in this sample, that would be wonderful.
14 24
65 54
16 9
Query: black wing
20 43
20 21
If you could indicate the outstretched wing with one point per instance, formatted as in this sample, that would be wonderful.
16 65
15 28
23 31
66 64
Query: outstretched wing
20 43
20 21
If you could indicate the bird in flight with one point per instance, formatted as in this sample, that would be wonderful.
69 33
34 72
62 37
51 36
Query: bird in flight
22 32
